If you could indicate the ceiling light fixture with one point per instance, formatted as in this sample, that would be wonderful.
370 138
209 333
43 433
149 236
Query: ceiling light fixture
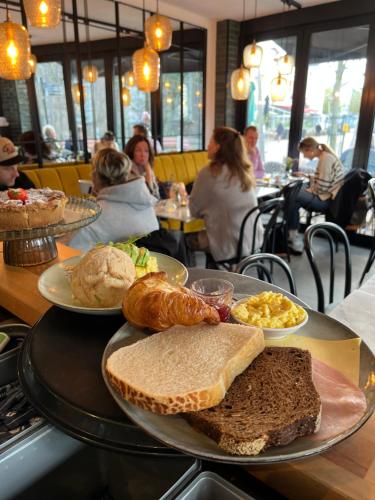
279 87
126 97
128 79
158 31
253 53
240 78
33 63
43 13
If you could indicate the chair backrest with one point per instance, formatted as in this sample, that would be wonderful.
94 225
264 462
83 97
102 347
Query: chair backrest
290 193
259 261
273 206
333 233
342 207
371 188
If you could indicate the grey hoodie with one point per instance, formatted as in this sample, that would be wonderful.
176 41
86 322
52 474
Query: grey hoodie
127 210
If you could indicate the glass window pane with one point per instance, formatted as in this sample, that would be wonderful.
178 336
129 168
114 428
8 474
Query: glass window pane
52 108
271 116
95 103
170 94
139 110
334 88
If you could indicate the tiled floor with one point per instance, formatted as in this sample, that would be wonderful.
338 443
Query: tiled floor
306 289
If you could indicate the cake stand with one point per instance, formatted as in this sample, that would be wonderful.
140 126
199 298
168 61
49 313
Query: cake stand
29 247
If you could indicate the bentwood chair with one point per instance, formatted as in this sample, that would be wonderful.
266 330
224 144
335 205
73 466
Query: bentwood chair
334 234
289 193
271 207
259 261
371 257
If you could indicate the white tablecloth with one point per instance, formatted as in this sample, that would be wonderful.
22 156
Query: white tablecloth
358 312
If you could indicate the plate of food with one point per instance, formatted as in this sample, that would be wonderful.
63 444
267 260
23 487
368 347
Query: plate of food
221 392
96 282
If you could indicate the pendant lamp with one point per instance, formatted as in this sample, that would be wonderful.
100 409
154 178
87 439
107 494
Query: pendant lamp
76 93
285 64
279 87
240 84
126 97
43 13
128 79
158 31
253 53
32 63
146 68
14 51
90 73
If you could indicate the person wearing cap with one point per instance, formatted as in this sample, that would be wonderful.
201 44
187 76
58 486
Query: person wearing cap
10 177
127 204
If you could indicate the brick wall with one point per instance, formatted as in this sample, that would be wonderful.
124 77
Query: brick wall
15 107
228 38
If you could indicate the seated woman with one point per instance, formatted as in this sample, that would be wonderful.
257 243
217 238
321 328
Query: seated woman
251 138
29 148
140 152
222 195
324 185
127 205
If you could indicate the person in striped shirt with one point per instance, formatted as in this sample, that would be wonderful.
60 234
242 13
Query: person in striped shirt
324 185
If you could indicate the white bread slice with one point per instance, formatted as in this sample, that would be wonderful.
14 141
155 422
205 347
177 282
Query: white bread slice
183 368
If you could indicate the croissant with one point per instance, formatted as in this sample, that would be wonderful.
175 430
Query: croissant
154 303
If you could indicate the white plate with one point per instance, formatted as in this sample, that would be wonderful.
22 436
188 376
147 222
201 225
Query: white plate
54 283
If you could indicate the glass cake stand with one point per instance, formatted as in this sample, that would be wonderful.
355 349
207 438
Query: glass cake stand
29 247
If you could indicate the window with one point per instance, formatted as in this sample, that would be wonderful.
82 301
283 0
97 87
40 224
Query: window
272 118
139 110
193 99
170 91
337 64
50 93
95 104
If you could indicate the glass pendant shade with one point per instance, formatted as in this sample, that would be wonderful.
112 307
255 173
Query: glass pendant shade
77 93
278 88
158 30
14 51
285 64
128 79
126 97
146 68
240 84
252 55
43 13
90 73
32 63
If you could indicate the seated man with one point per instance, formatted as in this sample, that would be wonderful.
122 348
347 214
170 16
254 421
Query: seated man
9 161
251 138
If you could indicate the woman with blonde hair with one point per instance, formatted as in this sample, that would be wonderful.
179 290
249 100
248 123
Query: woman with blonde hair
324 184
222 195
127 204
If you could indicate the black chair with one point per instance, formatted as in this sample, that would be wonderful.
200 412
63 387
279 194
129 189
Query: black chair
289 193
259 260
333 233
272 207
371 257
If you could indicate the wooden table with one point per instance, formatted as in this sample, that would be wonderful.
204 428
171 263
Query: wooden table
18 286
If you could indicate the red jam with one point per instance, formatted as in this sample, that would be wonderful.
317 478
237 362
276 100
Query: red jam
224 312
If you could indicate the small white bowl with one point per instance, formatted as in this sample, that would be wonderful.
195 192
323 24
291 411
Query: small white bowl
271 333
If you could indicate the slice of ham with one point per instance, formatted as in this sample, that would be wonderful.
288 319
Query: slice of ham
343 404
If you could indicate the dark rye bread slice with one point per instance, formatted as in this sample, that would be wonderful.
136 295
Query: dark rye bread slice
273 402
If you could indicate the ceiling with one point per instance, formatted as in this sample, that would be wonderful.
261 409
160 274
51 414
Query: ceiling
194 11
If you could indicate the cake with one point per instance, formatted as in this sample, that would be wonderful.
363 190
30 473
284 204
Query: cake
25 209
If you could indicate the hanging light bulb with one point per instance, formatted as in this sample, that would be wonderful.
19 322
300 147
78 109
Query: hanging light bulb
240 84
77 93
126 97
43 13
279 87
14 52
285 64
32 63
146 68
90 73
252 55
128 79
158 31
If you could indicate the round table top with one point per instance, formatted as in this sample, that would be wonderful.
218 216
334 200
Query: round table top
60 371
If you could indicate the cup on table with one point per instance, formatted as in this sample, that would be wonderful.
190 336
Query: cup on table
217 293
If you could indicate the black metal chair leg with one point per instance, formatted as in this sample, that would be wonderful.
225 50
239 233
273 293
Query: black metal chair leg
368 265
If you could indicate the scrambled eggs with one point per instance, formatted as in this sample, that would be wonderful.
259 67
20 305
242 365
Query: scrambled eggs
269 310
150 267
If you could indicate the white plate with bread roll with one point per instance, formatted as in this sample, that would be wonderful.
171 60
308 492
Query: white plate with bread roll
55 284
156 371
